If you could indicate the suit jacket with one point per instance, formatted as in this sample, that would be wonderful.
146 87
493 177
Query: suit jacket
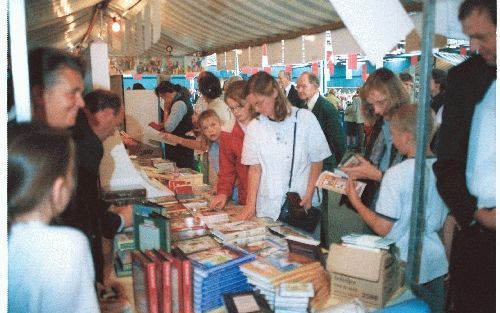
294 99
329 120
467 84
87 211
231 170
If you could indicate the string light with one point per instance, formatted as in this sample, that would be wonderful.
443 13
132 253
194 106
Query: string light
115 27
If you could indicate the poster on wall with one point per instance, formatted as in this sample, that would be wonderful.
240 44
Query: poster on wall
192 64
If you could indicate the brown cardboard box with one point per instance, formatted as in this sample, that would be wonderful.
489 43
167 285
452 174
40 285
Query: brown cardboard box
369 275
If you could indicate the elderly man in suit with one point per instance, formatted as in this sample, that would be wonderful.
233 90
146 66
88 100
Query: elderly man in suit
285 81
328 117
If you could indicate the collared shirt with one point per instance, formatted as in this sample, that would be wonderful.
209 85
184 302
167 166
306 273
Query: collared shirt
311 102
481 157
270 145
287 89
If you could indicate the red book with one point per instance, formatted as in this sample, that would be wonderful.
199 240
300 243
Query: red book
176 281
187 284
144 280
162 280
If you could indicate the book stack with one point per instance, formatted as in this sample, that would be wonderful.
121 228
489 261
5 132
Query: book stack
367 241
266 247
245 302
304 246
215 272
123 246
206 215
268 273
239 233
293 297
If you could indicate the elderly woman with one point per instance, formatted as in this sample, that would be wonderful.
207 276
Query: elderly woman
211 91
272 142
381 95
177 113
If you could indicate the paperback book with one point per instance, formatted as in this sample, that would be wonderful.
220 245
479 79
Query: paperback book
245 302
144 282
193 245
238 229
336 183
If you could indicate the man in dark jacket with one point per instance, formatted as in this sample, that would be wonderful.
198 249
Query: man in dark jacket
328 117
465 169
98 120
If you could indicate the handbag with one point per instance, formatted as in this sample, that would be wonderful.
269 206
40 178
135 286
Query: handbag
292 212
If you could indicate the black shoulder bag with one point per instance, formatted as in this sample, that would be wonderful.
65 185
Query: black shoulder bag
291 211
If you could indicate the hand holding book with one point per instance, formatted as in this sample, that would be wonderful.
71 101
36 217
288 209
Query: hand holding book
362 170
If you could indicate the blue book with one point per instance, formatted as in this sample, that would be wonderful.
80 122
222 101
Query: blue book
219 259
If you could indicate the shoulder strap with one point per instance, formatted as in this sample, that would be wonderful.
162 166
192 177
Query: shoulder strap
293 148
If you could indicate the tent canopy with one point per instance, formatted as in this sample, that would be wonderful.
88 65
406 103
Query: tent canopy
188 26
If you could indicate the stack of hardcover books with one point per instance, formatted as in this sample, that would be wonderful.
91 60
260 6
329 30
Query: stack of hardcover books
216 271
239 233
123 246
293 297
268 273
367 241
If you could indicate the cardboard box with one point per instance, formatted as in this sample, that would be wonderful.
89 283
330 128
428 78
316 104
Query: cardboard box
367 274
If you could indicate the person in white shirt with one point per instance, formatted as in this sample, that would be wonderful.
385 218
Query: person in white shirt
50 267
392 215
268 150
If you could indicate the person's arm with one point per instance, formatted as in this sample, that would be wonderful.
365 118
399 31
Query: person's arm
365 170
313 177
195 144
334 133
173 119
487 218
381 226
254 173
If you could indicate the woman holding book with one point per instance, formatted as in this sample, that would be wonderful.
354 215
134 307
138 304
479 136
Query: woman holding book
231 171
50 267
280 134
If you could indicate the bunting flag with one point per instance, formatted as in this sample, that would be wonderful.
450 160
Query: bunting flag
246 70
329 62
255 70
137 76
190 75
315 68
331 68
463 51
288 68
352 61
348 72
265 61
267 69
364 71
414 60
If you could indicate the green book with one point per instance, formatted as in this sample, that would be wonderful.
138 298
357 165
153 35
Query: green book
151 229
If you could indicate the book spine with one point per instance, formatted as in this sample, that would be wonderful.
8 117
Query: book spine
167 288
187 286
152 289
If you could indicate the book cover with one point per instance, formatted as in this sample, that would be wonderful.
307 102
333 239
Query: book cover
186 282
144 282
336 183
152 231
308 247
264 247
124 241
193 245
178 214
188 223
245 302
219 258
188 234
238 230
175 281
163 281
283 231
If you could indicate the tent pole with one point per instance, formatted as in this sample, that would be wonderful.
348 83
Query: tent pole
418 209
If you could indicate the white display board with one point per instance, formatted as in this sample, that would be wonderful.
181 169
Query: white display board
141 108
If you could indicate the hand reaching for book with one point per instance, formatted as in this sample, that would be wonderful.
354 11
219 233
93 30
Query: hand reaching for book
171 138
365 170
245 214
126 213
218 201
351 192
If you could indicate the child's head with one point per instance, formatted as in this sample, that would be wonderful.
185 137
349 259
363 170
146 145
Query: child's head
235 100
404 128
210 125
40 171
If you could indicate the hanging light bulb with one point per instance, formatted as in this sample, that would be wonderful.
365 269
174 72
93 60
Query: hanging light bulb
115 27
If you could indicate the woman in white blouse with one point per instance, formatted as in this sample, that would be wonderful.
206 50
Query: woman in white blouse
268 150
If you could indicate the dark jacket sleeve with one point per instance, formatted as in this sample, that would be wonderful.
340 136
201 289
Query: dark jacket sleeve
329 120
293 97
467 84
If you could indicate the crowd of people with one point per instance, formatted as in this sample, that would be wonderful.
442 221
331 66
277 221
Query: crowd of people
265 138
